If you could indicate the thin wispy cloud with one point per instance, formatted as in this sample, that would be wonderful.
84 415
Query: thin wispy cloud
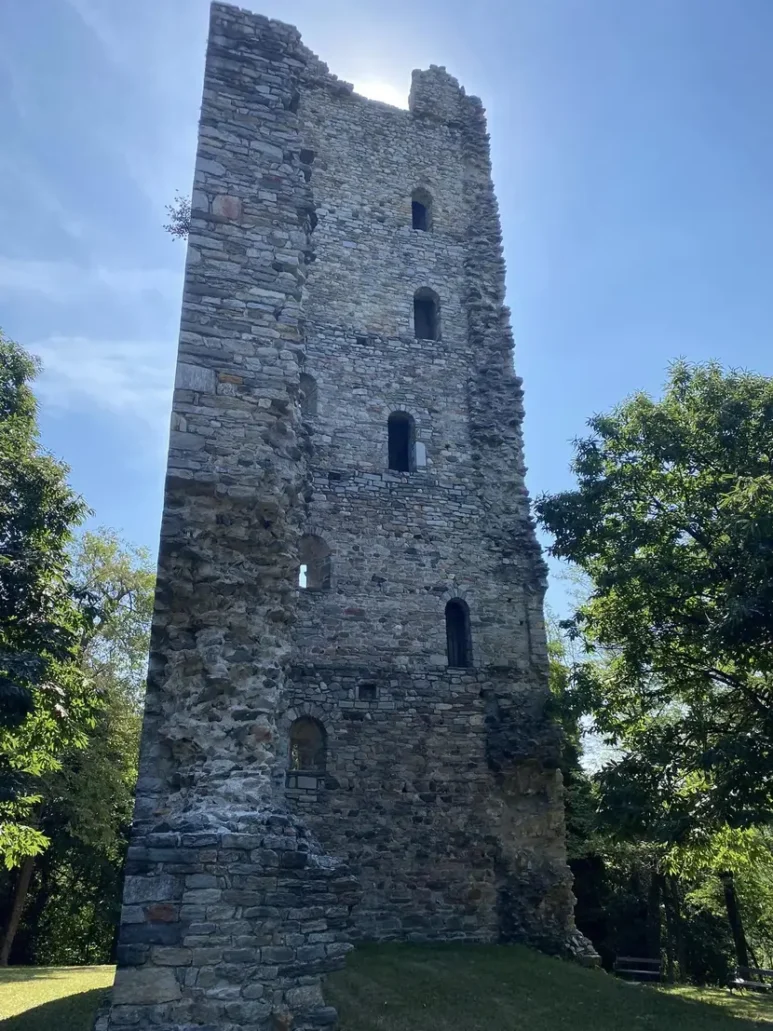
129 379
65 281
19 176
93 19
15 89
157 146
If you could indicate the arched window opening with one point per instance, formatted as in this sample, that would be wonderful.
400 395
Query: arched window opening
426 314
308 745
458 639
400 428
315 563
421 210
308 396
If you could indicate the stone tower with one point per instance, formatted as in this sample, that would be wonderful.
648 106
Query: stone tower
345 731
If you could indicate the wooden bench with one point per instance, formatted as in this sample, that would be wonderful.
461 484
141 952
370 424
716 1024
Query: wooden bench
639 968
750 978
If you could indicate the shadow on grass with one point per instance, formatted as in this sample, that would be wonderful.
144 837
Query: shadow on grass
71 1013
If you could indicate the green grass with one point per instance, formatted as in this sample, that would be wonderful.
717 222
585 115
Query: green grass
51 998
433 988
509 988
751 1005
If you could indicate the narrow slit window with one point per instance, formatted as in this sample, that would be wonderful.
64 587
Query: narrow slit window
419 215
426 314
315 566
421 210
458 640
308 396
400 428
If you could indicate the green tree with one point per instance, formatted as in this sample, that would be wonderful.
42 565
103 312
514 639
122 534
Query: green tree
73 902
672 522
579 799
46 703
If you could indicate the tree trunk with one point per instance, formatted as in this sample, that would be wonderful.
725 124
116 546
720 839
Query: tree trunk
734 919
37 900
681 955
669 928
653 915
17 908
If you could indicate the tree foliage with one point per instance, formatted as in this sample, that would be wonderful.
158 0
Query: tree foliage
86 807
672 522
179 224
671 527
46 703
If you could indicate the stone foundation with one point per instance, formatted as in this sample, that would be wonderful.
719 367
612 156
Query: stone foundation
230 929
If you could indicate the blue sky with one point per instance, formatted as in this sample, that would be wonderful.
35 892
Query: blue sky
633 157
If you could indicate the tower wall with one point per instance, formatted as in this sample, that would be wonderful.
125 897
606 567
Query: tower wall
231 912
401 540
442 791
438 811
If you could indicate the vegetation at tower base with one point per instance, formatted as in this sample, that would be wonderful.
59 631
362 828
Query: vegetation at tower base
46 704
73 901
672 522
74 620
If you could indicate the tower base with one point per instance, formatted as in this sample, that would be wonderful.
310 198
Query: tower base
231 927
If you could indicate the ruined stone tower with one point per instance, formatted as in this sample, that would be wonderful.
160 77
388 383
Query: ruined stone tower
345 731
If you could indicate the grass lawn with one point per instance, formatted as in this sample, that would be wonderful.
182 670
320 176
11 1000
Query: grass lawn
433 988
750 1005
51 998
509 988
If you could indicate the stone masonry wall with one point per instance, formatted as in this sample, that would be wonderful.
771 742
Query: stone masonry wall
438 811
443 794
410 798
232 913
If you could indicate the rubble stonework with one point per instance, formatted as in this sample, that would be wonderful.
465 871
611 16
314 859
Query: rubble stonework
435 810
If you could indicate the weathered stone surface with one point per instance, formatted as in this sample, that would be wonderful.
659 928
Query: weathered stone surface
151 889
436 785
194 377
136 986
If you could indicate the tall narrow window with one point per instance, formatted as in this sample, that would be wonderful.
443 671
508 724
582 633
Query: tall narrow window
308 745
421 210
458 634
308 396
426 314
419 213
401 442
314 572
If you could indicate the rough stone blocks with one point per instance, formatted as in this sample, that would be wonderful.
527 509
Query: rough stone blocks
345 730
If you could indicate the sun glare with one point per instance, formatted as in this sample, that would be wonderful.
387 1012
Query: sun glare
377 89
